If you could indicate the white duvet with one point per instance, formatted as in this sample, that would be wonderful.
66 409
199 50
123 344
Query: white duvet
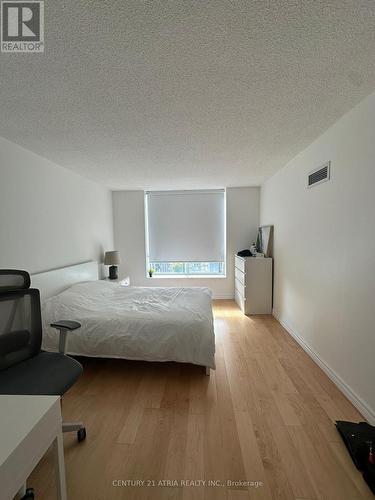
151 324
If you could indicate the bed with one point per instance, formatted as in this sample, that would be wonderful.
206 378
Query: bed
135 323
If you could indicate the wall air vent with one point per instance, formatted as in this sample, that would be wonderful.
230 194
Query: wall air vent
319 175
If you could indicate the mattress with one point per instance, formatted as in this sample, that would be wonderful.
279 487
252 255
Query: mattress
140 323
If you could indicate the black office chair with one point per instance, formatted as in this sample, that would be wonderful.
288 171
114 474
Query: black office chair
24 368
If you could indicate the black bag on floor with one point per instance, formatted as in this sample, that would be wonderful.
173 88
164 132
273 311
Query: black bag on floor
359 439
369 476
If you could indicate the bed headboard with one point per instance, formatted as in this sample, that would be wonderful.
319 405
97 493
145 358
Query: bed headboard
53 282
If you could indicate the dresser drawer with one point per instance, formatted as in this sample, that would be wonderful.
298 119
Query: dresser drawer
239 263
239 275
240 287
239 300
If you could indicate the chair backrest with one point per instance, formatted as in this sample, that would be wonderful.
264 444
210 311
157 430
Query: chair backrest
14 279
20 318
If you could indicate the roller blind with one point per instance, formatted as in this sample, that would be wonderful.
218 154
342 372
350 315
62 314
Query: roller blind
186 226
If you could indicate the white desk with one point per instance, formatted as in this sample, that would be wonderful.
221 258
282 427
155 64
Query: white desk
28 427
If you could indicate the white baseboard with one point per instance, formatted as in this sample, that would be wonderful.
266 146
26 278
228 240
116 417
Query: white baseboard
223 296
358 402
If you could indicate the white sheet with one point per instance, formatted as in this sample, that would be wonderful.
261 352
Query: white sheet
151 324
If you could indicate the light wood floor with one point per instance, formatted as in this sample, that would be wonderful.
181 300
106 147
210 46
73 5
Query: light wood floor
265 415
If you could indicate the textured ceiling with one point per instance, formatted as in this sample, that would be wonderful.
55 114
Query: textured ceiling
186 93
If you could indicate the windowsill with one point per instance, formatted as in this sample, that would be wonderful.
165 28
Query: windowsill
186 276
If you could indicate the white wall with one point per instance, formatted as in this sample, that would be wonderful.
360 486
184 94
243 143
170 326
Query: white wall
49 216
324 250
129 232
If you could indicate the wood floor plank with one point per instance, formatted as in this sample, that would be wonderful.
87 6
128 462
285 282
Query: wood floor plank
177 388
152 386
286 409
285 451
229 436
238 495
176 452
308 408
194 456
202 394
265 415
252 460
130 428
275 375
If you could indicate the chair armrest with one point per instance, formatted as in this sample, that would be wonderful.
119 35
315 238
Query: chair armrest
65 326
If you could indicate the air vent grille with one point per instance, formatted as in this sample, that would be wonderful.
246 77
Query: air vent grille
319 175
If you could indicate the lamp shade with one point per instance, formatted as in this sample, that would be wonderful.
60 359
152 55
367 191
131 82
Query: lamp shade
112 258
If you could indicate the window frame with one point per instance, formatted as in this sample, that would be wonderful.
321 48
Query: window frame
180 275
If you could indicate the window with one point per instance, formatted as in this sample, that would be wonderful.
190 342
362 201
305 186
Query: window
185 232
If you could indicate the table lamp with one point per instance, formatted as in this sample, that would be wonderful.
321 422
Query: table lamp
112 259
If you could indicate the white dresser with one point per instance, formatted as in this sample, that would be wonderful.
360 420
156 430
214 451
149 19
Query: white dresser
253 284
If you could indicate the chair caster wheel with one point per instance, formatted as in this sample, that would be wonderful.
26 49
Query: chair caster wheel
29 494
81 434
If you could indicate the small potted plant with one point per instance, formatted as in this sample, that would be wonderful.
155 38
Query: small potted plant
151 272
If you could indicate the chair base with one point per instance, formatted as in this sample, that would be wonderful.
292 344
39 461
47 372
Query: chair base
72 426
77 427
